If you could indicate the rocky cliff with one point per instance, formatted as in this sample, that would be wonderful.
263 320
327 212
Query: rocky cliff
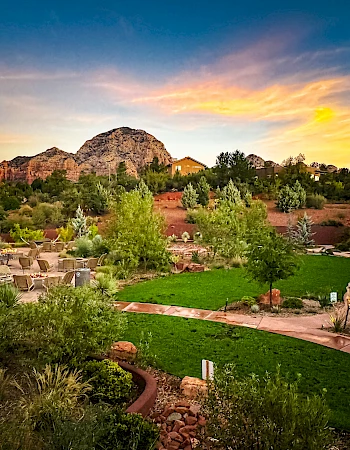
102 154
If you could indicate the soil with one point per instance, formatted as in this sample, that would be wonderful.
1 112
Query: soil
169 204
309 307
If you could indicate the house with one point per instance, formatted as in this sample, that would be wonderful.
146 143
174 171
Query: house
185 166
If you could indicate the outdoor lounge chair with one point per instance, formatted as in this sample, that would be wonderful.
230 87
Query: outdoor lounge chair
92 263
33 253
47 246
101 260
44 265
69 264
67 278
25 262
50 282
23 282
59 246
70 245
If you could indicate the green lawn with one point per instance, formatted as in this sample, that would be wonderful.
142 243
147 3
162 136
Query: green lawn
209 290
179 345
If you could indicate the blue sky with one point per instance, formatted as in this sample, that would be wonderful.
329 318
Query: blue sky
271 78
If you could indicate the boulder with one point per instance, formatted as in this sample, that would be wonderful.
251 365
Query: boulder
193 387
276 298
123 350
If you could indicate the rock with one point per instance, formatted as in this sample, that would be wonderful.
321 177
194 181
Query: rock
173 435
183 403
173 445
193 387
190 420
276 298
174 416
123 350
181 410
102 154
194 409
178 424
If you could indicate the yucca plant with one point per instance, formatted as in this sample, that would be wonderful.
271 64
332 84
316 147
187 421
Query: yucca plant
106 284
54 394
9 295
337 319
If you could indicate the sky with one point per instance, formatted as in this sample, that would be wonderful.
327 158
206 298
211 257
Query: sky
270 78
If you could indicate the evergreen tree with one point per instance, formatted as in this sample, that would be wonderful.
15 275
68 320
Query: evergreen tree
79 223
189 197
203 190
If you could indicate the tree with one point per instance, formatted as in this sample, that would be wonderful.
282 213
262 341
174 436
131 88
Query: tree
302 234
136 232
203 190
79 223
271 258
291 197
189 197
233 166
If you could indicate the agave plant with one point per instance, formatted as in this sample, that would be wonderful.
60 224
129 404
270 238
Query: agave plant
9 295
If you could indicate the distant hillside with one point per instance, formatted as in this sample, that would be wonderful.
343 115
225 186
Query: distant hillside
101 154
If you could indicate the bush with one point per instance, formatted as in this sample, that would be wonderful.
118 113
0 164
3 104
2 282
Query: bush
67 325
191 215
344 244
316 201
66 233
127 432
110 383
291 197
292 303
106 284
185 236
9 295
83 247
19 234
264 413
249 301
189 197
331 223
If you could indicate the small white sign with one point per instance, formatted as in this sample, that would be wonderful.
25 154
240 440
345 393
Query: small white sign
207 369
334 297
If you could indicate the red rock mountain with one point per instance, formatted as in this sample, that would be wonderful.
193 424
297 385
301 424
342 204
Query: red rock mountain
101 154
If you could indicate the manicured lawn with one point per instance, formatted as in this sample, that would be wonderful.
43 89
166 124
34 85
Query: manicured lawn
209 290
180 344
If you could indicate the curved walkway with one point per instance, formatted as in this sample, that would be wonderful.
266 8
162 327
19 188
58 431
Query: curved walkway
307 328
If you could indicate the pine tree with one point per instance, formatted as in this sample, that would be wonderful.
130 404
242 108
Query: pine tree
189 197
203 190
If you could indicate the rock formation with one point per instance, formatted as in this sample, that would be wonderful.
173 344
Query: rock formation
102 155
256 161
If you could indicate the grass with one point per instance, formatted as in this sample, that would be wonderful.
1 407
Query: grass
209 290
180 344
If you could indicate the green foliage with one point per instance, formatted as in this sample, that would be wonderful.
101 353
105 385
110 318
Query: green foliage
302 234
127 432
68 324
270 258
83 247
79 223
145 356
10 203
65 234
331 223
93 231
316 201
248 300
156 181
45 214
136 232
228 228
344 244
9 295
19 234
106 284
203 190
264 413
292 303
234 166
191 215
189 197
5 383
54 394
109 382
291 197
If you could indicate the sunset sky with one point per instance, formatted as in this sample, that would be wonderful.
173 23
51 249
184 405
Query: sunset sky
266 77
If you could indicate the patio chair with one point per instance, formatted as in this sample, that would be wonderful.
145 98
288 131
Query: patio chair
67 278
47 246
44 265
59 246
101 260
92 263
23 282
70 245
50 282
32 244
25 262
5 270
69 264
33 253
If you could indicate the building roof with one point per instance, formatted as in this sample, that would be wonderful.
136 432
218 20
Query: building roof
187 157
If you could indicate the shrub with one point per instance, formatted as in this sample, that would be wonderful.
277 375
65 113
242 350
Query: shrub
19 234
331 223
66 233
83 247
9 295
68 324
106 284
291 197
191 215
255 308
110 383
172 238
127 432
185 236
54 394
264 413
292 303
189 197
316 201
344 245
249 301
203 190
337 319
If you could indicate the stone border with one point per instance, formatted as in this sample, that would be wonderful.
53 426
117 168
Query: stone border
146 400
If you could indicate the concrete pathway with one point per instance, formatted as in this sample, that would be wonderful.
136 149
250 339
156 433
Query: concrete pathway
307 328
